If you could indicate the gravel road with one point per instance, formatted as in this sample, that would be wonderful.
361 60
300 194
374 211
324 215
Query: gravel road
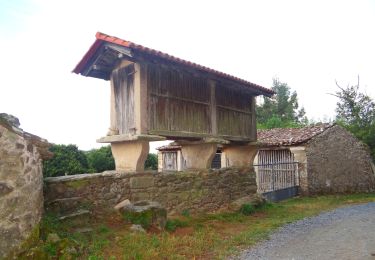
344 233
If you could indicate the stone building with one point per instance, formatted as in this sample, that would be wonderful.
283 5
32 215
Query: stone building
21 186
330 159
170 158
156 96
323 158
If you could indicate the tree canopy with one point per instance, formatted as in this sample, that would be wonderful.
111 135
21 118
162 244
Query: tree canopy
100 159
151 162
282 110
356 112
69 160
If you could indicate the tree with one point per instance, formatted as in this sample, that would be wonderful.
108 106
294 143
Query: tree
67 160
282 110
356 112
151 162
100 159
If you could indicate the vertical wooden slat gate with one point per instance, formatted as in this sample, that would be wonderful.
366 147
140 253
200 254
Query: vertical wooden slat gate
277 174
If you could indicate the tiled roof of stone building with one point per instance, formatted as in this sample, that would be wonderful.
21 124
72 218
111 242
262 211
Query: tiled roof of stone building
290 136
277 136
169 147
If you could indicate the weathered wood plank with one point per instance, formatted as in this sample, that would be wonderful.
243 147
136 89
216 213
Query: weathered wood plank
177 102
123 87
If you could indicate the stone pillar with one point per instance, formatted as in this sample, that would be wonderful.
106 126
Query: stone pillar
302 178
130 156
180 161
198 156
160 161
238 155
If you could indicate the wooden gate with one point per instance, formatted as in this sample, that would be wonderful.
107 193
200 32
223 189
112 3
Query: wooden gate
170 161
277 174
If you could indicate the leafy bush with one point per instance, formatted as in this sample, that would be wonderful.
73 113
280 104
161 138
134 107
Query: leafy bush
173 224
139 218
101 159
247 209
185 213
151 162
67 160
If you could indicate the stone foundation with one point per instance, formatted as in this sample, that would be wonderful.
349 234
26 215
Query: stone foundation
195 191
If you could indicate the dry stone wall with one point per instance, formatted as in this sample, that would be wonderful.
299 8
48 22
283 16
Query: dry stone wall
21 186
195 191
337 162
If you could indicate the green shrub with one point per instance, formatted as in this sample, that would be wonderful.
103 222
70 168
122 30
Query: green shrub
140 218
173 224
185 213
151 162
247 209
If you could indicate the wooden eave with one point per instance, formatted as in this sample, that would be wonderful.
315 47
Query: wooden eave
107 51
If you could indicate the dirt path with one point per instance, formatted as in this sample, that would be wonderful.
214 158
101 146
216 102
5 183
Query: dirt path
345 233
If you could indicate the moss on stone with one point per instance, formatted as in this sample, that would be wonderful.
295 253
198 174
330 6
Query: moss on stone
77 184
140 218
22 252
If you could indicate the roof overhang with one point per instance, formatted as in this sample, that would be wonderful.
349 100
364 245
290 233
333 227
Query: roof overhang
108 51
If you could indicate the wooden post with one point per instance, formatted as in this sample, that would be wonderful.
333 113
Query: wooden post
113 124
253 119
212 85
140 98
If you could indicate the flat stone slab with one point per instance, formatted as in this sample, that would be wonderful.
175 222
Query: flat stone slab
78 213
127 138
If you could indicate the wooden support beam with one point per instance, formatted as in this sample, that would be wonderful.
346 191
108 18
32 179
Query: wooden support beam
213 109
140 98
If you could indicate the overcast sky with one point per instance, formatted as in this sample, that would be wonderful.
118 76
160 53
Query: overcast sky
307 44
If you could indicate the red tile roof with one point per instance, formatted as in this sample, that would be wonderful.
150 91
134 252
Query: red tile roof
278 136
290 136
101 38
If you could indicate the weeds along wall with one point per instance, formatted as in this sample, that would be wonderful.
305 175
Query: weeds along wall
194 191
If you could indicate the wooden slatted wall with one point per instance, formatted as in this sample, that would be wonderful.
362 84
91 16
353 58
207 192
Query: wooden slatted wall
123 84
178 102
234 112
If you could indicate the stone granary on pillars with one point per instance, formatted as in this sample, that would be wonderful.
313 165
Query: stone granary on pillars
156 96
330 159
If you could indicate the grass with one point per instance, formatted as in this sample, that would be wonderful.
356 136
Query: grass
188 236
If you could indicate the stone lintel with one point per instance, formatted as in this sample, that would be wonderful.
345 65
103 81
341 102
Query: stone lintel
238 155
129 138
130 156
198 156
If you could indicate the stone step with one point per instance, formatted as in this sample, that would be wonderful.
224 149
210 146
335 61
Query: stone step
78 213
83 230
64 205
